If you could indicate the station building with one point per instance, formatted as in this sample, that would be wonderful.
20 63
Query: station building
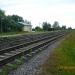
26 26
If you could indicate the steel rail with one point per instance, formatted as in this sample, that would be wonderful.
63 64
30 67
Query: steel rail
15 54
25 44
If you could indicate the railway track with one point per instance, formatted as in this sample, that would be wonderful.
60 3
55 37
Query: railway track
9 54
25 44
12 41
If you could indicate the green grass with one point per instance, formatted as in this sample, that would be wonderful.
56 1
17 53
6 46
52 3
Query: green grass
20 33
62 61
12 33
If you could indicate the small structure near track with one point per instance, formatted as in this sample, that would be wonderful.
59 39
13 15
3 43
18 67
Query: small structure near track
26 26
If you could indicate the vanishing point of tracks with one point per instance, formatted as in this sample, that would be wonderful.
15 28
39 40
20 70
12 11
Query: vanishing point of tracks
9 54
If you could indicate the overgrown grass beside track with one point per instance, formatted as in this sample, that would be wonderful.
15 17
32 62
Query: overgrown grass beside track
11 34
62 60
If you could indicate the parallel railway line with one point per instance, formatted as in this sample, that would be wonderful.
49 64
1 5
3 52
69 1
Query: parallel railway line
9 54
6 42
25 44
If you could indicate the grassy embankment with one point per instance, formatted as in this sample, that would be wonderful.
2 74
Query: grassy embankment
62 61
19 33
8 33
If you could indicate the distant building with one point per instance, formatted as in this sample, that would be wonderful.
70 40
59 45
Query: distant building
26 26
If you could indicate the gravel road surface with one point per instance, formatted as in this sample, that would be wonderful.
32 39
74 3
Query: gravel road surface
33 66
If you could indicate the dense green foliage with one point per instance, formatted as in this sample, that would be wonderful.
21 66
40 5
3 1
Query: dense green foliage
10 23
46 26
37 28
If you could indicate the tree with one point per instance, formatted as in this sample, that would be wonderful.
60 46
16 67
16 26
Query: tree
2 16
63 27
38 28
70 28
10 23
16 18
56 25
46 26
2 13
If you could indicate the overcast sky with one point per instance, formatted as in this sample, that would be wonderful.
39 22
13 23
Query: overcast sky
38 11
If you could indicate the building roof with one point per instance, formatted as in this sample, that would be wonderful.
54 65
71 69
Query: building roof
25 24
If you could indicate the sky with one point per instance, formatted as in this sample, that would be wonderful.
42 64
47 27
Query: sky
39 11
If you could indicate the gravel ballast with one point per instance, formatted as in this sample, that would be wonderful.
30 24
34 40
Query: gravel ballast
33 66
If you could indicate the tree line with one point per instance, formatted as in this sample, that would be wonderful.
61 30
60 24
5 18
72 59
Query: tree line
10 24
48 27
